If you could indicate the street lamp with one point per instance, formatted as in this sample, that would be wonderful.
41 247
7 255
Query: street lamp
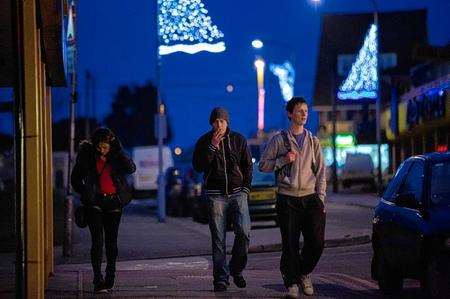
284 72
316 2
260 65
257 44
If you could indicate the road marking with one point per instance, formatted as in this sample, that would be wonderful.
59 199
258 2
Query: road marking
348 281
196 276
367 283
80 284
198 265
349 253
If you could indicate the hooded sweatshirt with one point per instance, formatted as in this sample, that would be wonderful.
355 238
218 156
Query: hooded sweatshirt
307 172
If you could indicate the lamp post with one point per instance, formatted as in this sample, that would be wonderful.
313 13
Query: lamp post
159 119
285 71
378 99
260 66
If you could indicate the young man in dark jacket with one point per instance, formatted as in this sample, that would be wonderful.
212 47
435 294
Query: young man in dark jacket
223 157
99 177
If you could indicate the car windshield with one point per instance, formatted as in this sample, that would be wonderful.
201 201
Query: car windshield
440 183
262 178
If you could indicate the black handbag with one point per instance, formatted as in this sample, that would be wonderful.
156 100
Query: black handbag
81 217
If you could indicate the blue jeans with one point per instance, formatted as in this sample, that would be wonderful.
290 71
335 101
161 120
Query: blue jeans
236 207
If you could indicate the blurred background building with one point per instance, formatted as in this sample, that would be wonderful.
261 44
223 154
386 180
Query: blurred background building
32 61
342 36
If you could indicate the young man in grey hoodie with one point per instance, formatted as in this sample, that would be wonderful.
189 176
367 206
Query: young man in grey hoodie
296 157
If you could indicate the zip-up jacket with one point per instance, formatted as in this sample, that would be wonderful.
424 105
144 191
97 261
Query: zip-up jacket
85 180
226 169
307 172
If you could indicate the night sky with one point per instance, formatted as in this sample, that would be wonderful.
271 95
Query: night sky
117 44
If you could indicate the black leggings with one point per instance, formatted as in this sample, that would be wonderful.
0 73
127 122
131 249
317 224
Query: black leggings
103 222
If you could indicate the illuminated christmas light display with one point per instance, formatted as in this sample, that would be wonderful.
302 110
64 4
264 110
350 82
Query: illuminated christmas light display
70 37
362 81
184 25
286 76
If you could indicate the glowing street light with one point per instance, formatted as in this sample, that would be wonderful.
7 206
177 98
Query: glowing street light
259 63
257 44
316 3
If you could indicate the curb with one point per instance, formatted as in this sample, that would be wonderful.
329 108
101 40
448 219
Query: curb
364 239
361 206
359 240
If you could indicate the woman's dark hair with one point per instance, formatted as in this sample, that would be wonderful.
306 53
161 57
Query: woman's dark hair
103 135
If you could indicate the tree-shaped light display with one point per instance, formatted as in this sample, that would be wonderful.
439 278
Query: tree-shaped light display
286 76
362 81
184 25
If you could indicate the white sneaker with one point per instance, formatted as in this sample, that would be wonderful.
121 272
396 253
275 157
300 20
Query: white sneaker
292 291
306 284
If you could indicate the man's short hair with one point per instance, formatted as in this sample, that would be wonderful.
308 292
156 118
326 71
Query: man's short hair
290 105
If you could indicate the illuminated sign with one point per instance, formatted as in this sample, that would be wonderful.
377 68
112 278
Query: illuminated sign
345 140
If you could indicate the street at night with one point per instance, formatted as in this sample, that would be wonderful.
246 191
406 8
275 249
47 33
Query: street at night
209 149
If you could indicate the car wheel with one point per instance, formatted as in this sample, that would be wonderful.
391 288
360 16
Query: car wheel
389 281
433 283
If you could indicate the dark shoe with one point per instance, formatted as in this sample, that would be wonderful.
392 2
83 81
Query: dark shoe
220 287
109 282
100 287
239 281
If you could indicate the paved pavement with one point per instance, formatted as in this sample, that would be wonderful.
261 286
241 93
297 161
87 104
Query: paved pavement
173 258
343 272
141 236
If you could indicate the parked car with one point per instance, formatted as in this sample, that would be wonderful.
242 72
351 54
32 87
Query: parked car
261 201
174 184
411 227
358 170
262 198
182 186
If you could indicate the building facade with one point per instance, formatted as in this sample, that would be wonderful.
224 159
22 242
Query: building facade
419 120
32 61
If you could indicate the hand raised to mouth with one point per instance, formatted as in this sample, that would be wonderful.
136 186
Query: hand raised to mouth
217 137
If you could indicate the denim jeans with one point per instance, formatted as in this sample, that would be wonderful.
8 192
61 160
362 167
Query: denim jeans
298 215
236 207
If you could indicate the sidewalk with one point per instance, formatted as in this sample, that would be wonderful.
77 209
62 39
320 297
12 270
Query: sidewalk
162 278
180 245
141 236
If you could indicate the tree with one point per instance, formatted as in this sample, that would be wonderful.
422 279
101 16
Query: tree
132 116
60 132
6 142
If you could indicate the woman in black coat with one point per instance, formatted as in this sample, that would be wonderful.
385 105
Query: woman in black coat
99 176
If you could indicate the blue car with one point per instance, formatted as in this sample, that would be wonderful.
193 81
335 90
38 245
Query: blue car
411 227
